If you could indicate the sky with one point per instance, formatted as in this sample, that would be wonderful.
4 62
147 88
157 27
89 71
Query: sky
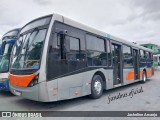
132 20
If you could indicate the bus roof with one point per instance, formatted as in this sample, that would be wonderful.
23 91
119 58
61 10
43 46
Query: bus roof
10 35
16 29
101 33
87 28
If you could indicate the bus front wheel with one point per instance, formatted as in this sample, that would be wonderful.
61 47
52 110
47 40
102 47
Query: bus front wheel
96 87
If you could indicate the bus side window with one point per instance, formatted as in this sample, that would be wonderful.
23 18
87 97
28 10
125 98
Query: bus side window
145 54
96 55
142 58
75 53
148 59
74 49
141 54
127 56
151 59
75 57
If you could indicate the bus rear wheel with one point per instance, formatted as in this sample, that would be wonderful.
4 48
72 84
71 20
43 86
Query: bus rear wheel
96 87
144 77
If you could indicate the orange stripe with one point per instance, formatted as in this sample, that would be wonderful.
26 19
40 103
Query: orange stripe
130 76
21 81
149 73
141 74
55 88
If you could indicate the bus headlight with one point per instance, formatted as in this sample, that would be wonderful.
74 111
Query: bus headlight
34 81
3 79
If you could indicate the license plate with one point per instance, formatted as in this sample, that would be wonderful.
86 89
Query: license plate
17 92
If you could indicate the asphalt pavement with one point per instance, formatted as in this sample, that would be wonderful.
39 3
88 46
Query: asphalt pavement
147 98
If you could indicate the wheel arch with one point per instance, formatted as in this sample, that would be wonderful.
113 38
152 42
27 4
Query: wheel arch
103 78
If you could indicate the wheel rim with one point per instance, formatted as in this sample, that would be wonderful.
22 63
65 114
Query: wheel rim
98 86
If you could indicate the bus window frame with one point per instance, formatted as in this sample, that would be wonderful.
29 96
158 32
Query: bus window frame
109 42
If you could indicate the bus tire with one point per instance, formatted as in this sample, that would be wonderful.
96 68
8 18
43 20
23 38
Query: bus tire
96 87
144 77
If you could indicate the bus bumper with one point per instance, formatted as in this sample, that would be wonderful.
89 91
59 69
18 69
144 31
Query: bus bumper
28 92
36 93
4 85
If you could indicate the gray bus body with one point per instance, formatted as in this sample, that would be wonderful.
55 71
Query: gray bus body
65 77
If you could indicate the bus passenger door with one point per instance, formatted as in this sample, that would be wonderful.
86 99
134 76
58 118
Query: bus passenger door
117 64
136 64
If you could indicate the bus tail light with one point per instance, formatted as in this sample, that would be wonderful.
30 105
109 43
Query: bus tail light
34 81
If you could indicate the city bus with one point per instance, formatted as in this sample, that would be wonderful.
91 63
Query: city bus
8 41
64 59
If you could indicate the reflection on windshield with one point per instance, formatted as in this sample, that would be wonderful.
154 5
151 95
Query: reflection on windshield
7 48
18 46
30 53
5 58
4 64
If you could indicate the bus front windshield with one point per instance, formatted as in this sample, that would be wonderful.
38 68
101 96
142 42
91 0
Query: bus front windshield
30 53
5 58
29 47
